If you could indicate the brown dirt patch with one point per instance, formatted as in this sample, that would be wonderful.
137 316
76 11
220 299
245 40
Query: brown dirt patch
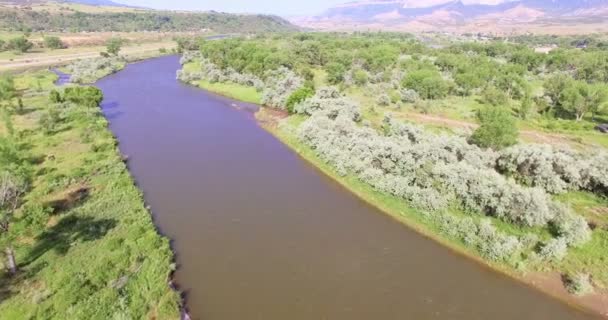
270 117
552 283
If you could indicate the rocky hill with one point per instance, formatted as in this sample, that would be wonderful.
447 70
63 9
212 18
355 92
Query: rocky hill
467 16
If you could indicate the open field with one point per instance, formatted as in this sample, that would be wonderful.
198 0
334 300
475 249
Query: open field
60 57
84 242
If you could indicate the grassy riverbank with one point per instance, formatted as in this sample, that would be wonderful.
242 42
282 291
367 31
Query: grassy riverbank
232 90
85 244
545 275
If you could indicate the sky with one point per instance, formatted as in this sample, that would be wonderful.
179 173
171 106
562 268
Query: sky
280 7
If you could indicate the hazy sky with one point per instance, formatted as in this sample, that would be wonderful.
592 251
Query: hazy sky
282 7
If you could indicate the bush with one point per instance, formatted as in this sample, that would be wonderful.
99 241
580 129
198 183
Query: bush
19 44
298 96
52 42
427 83
90 70
409 96
554 250
579 284
280 85
497 129
556 170
360 77
113 45
494 97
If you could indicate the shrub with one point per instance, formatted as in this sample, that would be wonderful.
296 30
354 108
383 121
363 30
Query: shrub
360 77
427 83
556 170
494 97
579 284
280 84
383 99
298 96
52 42
497 129
409 96
572 228
113 45
19 44
90 70
554 250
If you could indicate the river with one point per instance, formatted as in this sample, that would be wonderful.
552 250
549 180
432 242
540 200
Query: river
260 234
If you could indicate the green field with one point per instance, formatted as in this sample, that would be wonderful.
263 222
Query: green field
85 244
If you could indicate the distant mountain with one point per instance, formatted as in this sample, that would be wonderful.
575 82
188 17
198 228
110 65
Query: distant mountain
108 3
97 3
467 15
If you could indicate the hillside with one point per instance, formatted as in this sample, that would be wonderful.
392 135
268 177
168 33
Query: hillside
540 16
77 17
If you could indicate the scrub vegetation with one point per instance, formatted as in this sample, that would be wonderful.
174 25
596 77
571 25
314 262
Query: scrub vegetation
472 178
77 241
83 19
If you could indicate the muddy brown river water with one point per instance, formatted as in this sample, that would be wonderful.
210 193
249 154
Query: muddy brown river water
260 234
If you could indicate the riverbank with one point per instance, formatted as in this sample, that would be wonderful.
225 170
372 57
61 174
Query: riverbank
282 127
85 243
548 277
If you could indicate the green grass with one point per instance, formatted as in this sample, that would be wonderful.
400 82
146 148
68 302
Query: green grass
232 90
96 258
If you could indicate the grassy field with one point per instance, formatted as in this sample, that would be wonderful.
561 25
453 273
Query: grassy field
86 247
64 56
232 90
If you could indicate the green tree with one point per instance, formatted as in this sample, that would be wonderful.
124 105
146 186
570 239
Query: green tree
20 44
335 73
494 97
497 129
580 98
113 45
554 86
7 90
428 83
298 96
360 77
53 42
12 188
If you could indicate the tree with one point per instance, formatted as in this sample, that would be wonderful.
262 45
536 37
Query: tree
52 42
428 83
298 96
335 73
113 45
580 98
497 129
494 97
554 86
12 187
7 89
20 44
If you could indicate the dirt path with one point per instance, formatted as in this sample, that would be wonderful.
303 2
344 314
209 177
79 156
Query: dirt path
529 135
49 60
